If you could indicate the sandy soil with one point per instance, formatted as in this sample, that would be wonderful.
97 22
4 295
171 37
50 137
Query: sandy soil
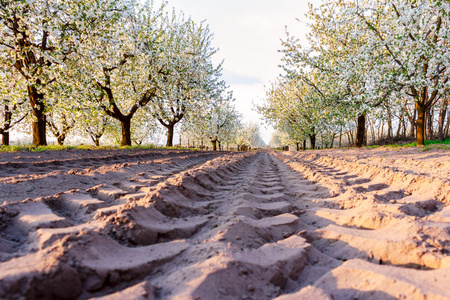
154 224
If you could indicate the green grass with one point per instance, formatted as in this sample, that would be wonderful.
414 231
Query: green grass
395 146
437 145
180 148
372 146
428 145
432 145
47 148
84 147
447 141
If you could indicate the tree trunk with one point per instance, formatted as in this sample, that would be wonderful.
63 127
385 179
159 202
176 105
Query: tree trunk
5 130
360 134
441 122
350 141
420 125
39 123
447 126
332 140
170 129
61 139
126 131
430 117
39 129
403 124
390 127
380 132
372 129
214 144
5 137
95 138
413 122
312 139
298 146
404 128
304 145
399 128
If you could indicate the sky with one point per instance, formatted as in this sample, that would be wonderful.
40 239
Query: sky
248 34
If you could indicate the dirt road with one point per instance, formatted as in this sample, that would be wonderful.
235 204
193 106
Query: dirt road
155 224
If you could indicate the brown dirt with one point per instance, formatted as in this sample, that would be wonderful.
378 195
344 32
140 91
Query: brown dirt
155 224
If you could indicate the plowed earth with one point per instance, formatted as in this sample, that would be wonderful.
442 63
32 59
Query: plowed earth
135 224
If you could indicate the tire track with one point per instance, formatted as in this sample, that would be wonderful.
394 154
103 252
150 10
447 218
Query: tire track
374 213
32 224
87 220
257 225
226 220
251 251
24 183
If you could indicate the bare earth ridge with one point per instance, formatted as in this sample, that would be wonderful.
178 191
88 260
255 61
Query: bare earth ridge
160 224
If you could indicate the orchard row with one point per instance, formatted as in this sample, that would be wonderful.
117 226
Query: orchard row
112 68
367 64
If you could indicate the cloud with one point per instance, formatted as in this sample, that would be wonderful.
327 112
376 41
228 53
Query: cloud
232 77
